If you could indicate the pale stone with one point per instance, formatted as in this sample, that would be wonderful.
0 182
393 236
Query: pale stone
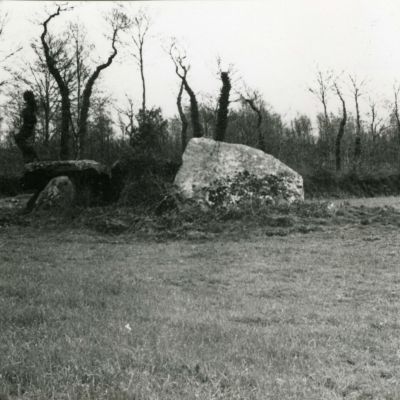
206 161
59 194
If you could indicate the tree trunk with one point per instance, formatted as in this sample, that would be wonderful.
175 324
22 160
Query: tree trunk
66 142
142 77
78 98
178 60
397 116
373 128
357 142
261 141
46 125
223 106
65 145
24 138
85 103
183 119
194 111
340 134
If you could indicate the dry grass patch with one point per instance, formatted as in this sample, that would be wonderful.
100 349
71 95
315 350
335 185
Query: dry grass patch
89 316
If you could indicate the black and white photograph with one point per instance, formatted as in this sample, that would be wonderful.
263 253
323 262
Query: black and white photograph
200 200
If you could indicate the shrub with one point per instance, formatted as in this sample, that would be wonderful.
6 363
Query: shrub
146 180
143 174
10 185
148 137
326 184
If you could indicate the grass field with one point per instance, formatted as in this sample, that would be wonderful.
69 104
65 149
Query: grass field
303 316
391 201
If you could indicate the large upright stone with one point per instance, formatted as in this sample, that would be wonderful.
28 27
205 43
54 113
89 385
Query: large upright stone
233 171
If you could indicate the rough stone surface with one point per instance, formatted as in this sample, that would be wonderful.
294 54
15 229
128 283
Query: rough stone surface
210 169
90 178
59 194
66 165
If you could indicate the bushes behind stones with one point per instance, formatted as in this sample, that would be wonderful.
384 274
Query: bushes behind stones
328 184
145 180
143 175
10 185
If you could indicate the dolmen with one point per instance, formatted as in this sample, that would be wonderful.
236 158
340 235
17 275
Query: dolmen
60 184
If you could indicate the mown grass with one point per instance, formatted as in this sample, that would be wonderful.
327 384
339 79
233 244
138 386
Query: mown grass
87 315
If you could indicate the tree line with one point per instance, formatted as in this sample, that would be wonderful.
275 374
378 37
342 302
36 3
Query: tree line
76 119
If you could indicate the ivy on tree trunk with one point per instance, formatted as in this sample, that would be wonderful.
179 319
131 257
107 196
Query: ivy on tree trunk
223 107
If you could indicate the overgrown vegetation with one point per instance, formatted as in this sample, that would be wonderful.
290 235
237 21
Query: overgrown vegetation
168 218
249 219
245 187
331 185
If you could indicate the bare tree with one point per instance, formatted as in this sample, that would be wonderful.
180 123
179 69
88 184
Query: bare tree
7 55
376 126
208 113
254 102
47 99
340 133
182 69
321 91
37 76
80 52
119 22
356 89
51 62
372 107
126 117
396 91
140 26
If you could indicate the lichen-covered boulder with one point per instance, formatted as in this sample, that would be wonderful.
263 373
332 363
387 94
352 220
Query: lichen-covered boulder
59 195
215 173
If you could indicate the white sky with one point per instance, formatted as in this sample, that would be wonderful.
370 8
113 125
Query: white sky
276 46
